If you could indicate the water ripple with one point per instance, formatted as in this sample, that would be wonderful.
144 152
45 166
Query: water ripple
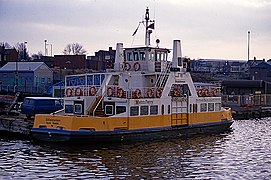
244 153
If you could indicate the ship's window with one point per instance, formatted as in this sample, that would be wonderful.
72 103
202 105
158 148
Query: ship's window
144 110
158 56
78 108
162 109
142 56
210 106
120 109
151 56
97 79
153 110
134 111
89 80
203 107
129 56
217 106
168 109
68 108
109 110
163 56
195 108
136 58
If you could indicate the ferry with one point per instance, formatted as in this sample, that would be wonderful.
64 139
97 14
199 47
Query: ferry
145 96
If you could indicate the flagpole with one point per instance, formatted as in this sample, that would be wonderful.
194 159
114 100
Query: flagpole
248 42
147 35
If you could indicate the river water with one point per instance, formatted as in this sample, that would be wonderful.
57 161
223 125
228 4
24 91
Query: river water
243 153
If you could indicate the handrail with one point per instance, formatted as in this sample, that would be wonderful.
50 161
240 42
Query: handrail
162 77
94 110
103 86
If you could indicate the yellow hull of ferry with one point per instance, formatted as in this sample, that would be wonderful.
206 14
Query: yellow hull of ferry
75 123
47 127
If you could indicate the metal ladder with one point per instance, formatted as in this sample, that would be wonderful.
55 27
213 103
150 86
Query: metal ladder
163 77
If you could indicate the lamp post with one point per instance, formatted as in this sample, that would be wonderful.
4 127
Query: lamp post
248 43
16 76
60 81
45 48
25 50
51 48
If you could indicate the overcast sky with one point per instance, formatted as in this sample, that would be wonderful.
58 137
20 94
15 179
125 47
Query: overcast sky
207 28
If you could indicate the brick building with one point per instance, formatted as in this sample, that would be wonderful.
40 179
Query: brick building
7 55
70 61
102 60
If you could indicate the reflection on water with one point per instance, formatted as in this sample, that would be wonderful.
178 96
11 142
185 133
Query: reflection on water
243 153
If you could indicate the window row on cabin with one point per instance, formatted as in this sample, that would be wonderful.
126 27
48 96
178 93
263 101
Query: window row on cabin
134 110
204 107
143 110
136 56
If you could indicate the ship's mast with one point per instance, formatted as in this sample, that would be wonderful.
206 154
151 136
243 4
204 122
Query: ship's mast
148 28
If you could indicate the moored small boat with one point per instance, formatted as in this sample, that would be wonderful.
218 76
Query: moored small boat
145 96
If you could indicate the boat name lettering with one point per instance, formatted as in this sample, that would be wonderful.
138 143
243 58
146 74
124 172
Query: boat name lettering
179 99
52 121
179 81
143 102
208 99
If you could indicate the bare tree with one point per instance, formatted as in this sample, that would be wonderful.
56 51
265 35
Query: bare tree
74 49
23 54
6 45
37 56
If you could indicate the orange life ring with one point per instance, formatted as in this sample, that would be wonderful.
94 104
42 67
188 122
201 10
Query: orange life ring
150 92
120 92
215 92
159 92
206 92
110 91
126 66
200 92
78 91
137 66
137 93
68 92
92 91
